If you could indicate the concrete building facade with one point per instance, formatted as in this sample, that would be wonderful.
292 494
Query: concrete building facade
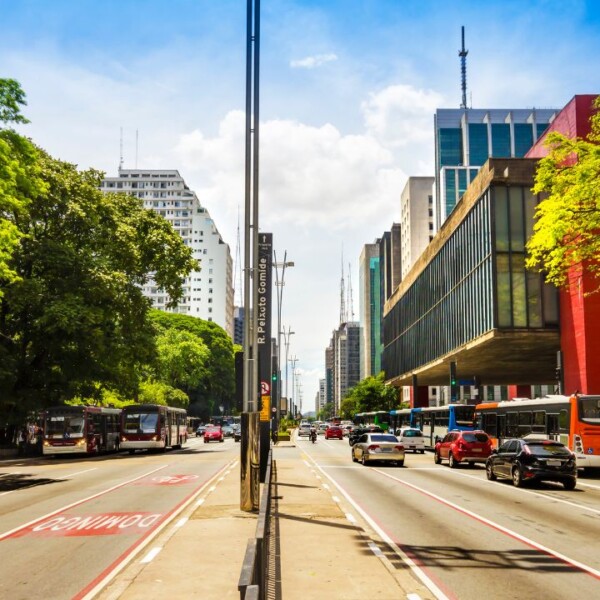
208 292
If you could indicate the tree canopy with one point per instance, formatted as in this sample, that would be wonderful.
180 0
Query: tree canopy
566 232
370 394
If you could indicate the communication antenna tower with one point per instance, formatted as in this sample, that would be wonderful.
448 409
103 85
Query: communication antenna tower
237 271
463 69
343 314
350 303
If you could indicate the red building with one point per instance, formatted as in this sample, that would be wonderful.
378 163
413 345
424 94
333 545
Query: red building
579 310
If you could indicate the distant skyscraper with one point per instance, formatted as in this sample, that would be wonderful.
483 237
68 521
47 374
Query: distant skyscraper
207 293
416 219
238 325
370 310
465 138
346 369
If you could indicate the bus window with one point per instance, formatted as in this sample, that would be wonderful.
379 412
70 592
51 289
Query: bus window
489 424
589 410
539 422
524 423
563 421
512 425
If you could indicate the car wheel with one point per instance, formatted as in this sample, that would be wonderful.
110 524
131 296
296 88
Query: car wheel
422 451
437 458
399 463
354 459
364 460
452 462
489 471
517 477
569 484
471 465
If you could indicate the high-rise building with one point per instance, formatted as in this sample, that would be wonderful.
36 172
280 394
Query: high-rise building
238 325
370 306
416 220
346 368
466 137
320 399
208 292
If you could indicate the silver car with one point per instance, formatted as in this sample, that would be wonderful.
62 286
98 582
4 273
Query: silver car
372 447
304 429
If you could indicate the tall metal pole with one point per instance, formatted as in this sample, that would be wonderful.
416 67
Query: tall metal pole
294 360
286 336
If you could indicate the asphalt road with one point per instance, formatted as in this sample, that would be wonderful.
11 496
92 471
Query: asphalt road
469 538
67 522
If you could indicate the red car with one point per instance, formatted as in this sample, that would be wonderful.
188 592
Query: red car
463 447
334 432
213 434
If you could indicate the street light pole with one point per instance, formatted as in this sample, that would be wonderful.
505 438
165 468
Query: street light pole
286 337
293 360
279 283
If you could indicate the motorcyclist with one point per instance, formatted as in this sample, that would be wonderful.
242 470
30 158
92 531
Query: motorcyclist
313 434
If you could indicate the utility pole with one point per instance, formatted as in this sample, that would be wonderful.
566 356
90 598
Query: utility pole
294 360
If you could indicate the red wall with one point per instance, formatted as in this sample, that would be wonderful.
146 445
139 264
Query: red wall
579 314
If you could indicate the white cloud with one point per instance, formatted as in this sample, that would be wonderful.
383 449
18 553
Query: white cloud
312 62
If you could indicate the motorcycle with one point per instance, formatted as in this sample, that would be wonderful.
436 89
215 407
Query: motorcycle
313 436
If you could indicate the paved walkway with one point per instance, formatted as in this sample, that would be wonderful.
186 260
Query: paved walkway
319 553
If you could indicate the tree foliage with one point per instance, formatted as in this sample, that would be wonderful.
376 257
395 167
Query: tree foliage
371 394
325 413
72 314
12 97
566 232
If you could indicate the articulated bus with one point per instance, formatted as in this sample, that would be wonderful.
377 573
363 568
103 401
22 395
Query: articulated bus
400 418
153 427
574 421
436 421
81 430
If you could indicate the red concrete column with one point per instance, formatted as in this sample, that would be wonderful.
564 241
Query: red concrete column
519 391
421 398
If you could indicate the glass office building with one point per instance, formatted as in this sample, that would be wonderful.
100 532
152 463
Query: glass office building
466 138
472 281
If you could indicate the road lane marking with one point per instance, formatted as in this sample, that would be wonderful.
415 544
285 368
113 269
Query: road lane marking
80 472
350 517
335 499
200 502
524 491
418 571
376 550
595 487
509 532
151 555
181 522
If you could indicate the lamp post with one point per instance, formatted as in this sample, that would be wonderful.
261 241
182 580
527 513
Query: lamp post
286 338
293 360
279 283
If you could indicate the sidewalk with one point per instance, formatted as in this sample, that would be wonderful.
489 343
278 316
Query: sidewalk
318 552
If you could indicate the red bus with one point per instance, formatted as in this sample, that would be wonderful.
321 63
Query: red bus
574 421
81 430
153 427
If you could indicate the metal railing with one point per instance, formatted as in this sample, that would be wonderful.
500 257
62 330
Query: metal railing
252 583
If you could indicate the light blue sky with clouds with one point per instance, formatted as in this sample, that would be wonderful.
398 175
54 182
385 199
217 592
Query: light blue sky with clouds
348 93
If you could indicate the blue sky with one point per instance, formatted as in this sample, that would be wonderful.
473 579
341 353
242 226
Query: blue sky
348 92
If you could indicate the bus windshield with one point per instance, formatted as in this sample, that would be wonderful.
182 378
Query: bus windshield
141 422
64 425
589 410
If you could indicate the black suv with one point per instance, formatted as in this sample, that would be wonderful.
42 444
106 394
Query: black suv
356 433
525 460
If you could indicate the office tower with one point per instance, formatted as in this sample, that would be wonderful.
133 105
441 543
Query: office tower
370 310
465 138
207 292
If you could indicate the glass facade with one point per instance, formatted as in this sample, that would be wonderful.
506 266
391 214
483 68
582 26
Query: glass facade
478 144
476 282
376 314
450 147
500 140
523 139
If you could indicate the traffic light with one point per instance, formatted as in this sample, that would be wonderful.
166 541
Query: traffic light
274 377
452 373
453 383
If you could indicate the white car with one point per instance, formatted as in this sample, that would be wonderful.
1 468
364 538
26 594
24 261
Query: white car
304 430
412 439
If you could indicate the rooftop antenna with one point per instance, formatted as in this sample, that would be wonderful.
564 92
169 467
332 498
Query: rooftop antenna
343 314
350 304
463 69
136 148
121 150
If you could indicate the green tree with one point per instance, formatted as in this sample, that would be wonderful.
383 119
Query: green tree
73 320
348 408
12 97
157 392
371 394
568 218
326 412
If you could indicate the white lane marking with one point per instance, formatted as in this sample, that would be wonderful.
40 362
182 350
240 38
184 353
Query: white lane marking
80 472
335 499
433 588
200 502
413 597
497 526
78 502
181 522
595 487
220 478
350 517
325 486
376 550
211 489
524 491
151 555
306 463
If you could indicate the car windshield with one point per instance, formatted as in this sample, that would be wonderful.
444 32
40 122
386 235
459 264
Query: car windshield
412 433
384 438
475 437
548 449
